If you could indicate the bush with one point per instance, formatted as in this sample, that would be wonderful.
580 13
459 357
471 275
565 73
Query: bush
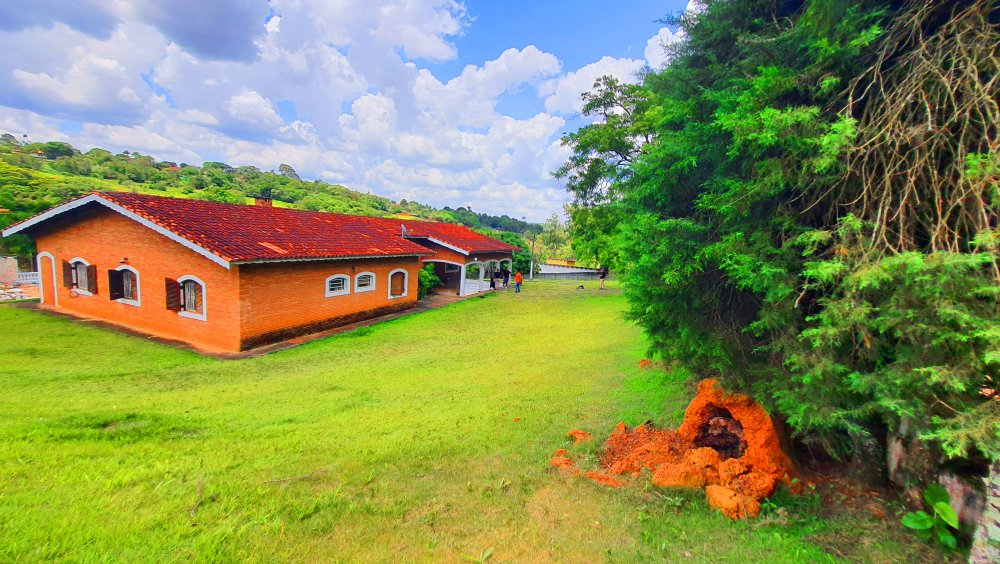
426 280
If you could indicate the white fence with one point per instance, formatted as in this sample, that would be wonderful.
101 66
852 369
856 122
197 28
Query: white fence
27 278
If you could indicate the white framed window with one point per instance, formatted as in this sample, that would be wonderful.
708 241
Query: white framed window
364 282
398 283
449 268
129 289
194 303
80 271
338 285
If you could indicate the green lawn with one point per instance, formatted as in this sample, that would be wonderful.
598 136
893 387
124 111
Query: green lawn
423 438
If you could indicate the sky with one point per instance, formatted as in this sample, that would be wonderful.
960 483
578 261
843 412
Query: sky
445 102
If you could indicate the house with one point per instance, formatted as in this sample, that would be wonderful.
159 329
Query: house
233 277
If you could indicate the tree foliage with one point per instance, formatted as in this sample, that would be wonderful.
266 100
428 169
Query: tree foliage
804 201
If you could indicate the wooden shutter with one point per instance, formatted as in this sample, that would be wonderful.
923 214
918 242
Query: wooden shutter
397 283
67 274
116 284
173 289
92 279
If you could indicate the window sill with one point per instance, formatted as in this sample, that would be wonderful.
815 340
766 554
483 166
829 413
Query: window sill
391 297
189 315
335 294
360 290
134 303
80 292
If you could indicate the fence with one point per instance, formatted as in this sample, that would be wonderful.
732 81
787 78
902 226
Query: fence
27 278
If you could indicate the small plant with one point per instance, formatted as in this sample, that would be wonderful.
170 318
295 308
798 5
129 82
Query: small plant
483 556
935 525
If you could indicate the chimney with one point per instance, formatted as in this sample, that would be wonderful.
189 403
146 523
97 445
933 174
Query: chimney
265 202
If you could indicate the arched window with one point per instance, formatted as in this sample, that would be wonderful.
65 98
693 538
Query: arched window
192 298
123 285
397 283
364 282
80 276
338 285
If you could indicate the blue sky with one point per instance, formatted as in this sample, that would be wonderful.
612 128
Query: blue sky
439 101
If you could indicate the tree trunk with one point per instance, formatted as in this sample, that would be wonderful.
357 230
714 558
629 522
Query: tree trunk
986 543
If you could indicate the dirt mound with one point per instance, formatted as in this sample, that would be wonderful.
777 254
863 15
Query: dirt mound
579 436
726 444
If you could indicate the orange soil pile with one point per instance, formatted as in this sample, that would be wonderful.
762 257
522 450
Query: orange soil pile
726 444
579 436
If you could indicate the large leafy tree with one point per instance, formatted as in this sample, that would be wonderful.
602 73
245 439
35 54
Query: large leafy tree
804 202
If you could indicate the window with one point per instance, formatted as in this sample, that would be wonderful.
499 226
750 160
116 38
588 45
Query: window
123 285
80 276
187 297
338 285
364 282
397 283
451 268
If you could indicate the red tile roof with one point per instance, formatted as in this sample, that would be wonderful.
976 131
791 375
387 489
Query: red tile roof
454 235
242 233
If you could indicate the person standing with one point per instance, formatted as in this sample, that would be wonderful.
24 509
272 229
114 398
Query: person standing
517 282
506 276
602 273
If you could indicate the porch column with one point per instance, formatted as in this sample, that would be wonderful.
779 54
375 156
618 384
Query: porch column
482 272
461 282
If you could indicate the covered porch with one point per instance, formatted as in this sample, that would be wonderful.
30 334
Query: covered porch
470 277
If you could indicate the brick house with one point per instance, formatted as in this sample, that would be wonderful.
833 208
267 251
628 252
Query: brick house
233 277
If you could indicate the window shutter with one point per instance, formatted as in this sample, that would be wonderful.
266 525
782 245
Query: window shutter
67 274
397 283
92 279
116 284
173 294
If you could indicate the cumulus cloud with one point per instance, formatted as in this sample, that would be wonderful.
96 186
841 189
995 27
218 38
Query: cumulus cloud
346 91
216 30
563 94
251 108
91 17
657 48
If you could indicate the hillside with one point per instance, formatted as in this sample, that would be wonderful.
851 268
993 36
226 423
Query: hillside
36 176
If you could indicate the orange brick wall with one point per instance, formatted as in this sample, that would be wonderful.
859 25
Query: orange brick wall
102 238
282 297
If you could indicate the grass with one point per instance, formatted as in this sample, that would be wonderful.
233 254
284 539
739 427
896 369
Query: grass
422 438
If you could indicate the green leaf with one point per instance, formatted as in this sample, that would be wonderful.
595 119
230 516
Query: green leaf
918 520
935 493
946 513
946 538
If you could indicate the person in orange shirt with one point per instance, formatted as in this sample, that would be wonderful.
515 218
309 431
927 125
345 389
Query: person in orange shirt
517 282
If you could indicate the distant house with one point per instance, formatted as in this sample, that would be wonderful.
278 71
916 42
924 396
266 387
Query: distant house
233 277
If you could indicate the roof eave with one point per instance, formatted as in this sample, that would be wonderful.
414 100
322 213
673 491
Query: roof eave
313 259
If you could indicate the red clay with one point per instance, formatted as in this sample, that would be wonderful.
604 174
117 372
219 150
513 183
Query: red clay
726 444
579 436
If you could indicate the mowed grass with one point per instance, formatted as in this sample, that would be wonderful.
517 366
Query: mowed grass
423 438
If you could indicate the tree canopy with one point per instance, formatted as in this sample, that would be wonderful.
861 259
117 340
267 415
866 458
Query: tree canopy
804 202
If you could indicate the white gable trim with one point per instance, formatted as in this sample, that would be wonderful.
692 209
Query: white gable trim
439 242
113 206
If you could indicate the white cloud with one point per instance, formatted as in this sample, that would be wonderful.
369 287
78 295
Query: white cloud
343 90
252 108
656 48
564 92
